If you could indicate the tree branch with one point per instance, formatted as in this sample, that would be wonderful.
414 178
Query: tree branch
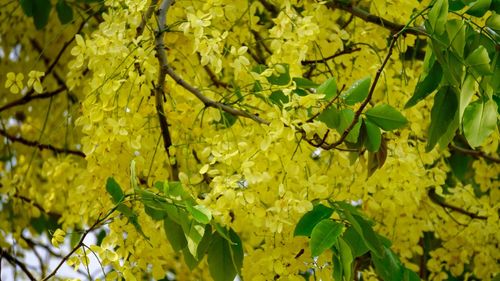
343 52
474 153
80 243
28 98
440 201
15 262
364 15
160 87
40 146
211 103
146 17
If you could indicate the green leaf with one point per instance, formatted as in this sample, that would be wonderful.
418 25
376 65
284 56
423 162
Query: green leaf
278 98
200 213
64 12
175 234
386 117
324 235
338 274
355 241
346 258
346 118
114 189
480 120
358 91
466 93
205 242
227 120
283 78
443 112
132 218
479 61
455 5
27 6
456 34
479 8
493 22
331 117
194 233
304 83
220 260
189 259
373 136
309 220
437 16
388 266
427 85
236 250
328 88
365 230
41 11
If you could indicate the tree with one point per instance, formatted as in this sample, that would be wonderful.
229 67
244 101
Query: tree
281 140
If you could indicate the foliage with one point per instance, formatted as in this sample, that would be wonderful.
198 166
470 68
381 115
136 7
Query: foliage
264 140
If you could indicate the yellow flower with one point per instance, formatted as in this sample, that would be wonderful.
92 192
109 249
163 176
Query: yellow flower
14 82
34 80
58 237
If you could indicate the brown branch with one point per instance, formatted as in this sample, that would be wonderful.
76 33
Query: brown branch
211 103
160 87
474 153
80 244
146 17
364 15
218 83
40 146
15 262
270 7
343 52
28 98
370 94
440 201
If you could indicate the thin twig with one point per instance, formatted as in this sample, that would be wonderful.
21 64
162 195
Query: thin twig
28 98
440 201
80 244
15 262
146 17
323 60
211 103
39 145
474 153
364 15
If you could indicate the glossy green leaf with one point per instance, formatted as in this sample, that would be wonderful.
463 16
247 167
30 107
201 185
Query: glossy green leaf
479 121
346 118
347 258
64 12
443 112
175 234
194 233
205 242
466 93
236 248
456 34
41 11
388 266
478 8
338 274
479 61
304 83
455 5
324 235
328 88
191 261
365 230
220 260
200 213
114 189
27 6
493 22
386 117
355 241
437 16
331 117
427 85
227 120
309 220
373 136
358 91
